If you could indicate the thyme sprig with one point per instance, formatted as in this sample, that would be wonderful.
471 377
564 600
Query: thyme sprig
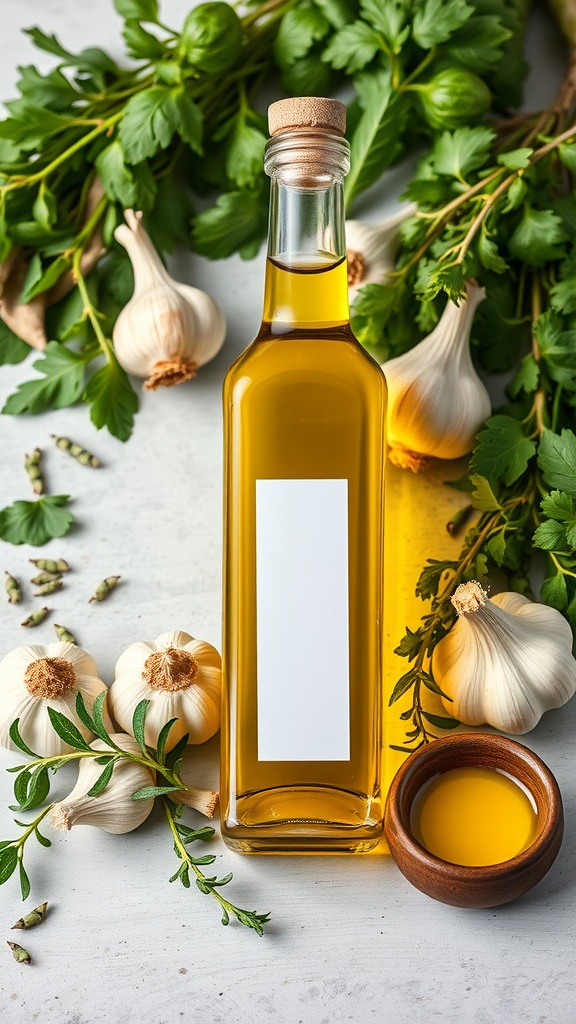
32 788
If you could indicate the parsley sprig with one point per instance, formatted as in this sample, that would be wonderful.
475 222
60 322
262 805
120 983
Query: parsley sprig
183 121
32 789
496 204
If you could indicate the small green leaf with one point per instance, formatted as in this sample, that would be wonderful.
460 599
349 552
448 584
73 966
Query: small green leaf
8 862
12 349
113 401
142 10
140 44
17 740
435 21
66 730
60 386
440 722
24 882
483 497
174 756
432 685
44 210
162 738
102 780
139 724
557 460
551 536
353 47
153 791
300 28
503 451
516 159
409 645
538 237
405 683
42 839
21 788
567 154
461 151
38 790
554 591
35 522
235 221
526 377
83 714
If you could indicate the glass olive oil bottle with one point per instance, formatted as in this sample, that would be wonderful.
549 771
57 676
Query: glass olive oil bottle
304 411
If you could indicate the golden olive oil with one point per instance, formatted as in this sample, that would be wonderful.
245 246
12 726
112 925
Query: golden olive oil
474 816
303 403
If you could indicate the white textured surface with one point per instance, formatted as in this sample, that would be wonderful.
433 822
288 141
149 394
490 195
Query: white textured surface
350 940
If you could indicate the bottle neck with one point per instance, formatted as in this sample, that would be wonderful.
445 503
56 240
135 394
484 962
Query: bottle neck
306 277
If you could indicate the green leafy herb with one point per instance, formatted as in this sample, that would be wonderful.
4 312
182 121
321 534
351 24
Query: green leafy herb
32 787
36 522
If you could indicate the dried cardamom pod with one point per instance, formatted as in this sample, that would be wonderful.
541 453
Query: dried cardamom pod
21 955
30 920
48 588
12 589
64 634
104 588
57 565
32 467
36 617
45 577
76 451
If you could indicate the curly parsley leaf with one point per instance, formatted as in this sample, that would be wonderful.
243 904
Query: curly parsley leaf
353 47
35 522
151 118
112 399
300 28
61 385
503 451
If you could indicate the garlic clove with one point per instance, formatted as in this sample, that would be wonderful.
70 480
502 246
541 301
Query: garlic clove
505 661
113 810
436 400
371 249
168 329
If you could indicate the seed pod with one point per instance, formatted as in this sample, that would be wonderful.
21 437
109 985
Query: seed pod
76 451
49 588
30 920
56 565
21 955
104 588
45 577
36 617
64 634
32 467
12 589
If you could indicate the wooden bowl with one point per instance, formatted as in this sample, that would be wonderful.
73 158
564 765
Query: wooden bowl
470 887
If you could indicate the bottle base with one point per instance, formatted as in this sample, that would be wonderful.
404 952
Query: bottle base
301 820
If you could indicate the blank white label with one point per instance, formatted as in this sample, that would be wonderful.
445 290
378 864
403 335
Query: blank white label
302 620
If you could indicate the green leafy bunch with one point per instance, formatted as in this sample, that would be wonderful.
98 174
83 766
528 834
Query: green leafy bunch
496 204
91 138
32 789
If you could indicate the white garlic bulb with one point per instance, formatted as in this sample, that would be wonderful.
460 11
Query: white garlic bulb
113 809
371 249
34 678
167 330
505 661
436 400
180 676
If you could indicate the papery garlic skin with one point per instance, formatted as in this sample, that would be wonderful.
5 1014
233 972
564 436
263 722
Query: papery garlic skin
436 400
113 810
505 661
371 249
180 676
34 678
167 330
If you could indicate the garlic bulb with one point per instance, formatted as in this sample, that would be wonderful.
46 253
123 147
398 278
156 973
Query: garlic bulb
371 249
436 400
34 678
505 661
167 330
113 809
180 676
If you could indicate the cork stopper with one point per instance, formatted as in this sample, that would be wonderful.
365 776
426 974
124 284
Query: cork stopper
307 112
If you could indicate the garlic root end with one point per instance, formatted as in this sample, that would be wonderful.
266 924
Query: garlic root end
404 458
168 372
206 801
60 817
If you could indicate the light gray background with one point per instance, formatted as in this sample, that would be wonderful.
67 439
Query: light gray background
350 939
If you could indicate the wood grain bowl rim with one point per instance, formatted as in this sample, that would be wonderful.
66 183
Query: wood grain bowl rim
433 875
